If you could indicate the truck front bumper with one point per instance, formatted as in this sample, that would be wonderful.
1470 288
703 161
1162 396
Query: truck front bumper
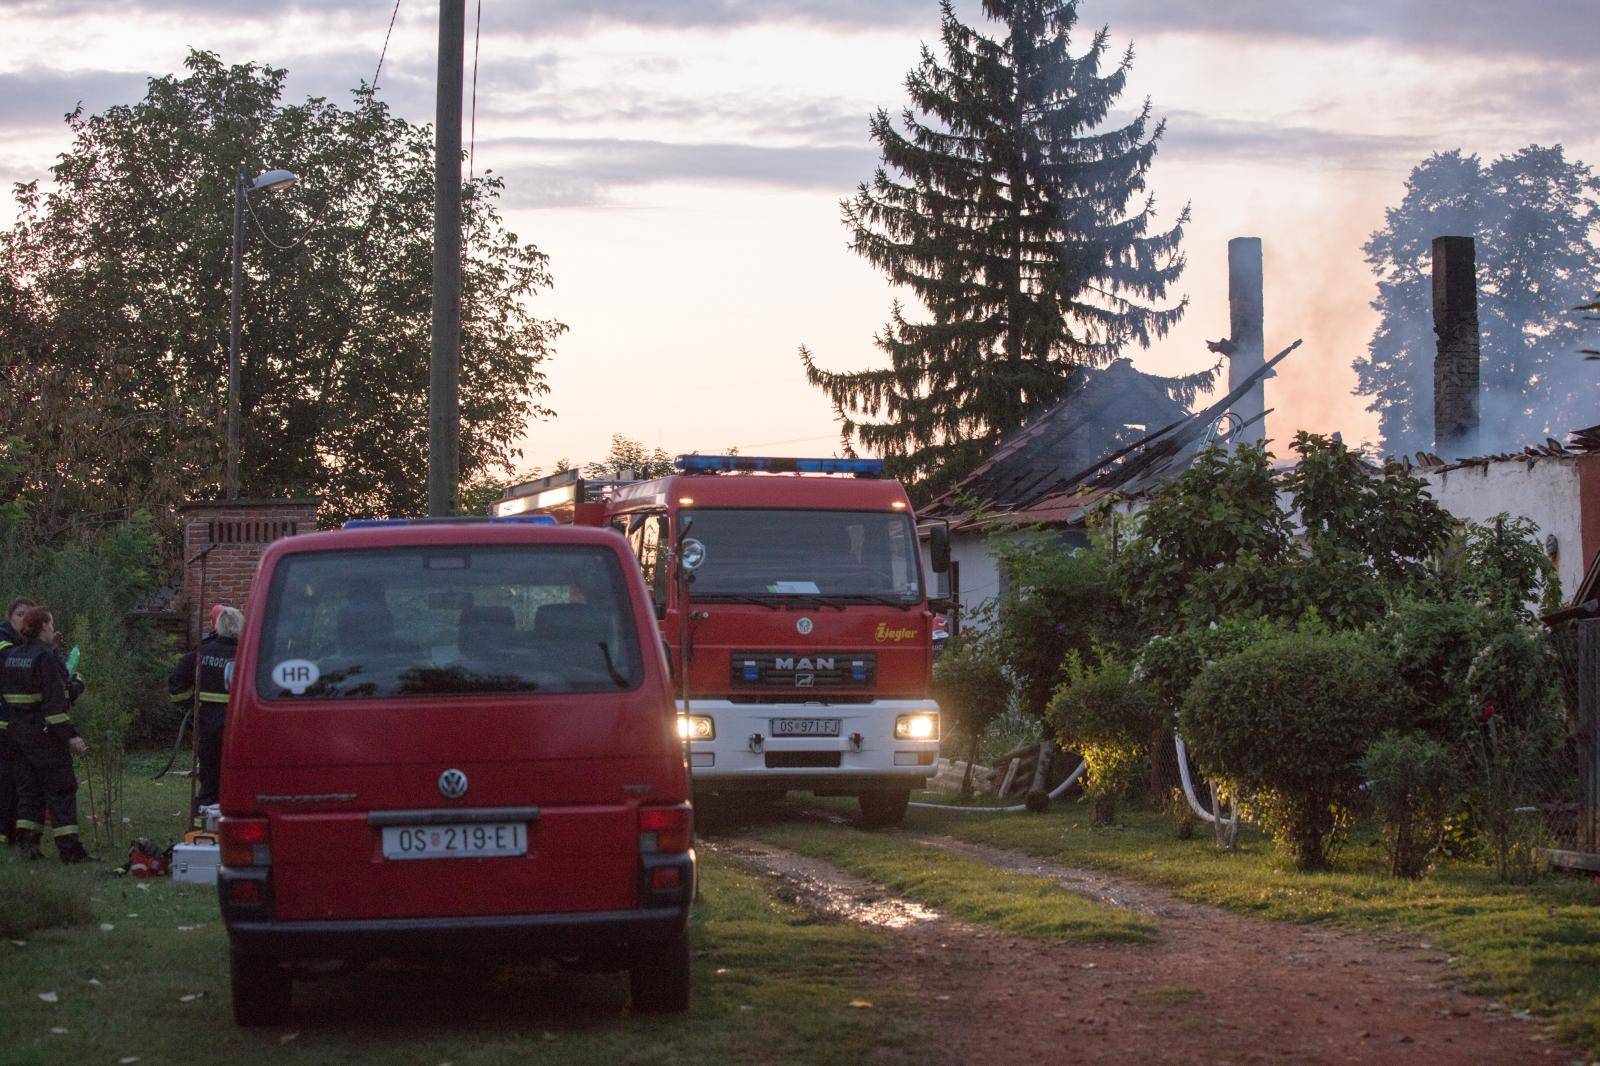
865 755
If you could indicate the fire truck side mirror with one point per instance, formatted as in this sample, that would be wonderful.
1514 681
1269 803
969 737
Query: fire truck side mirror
939 548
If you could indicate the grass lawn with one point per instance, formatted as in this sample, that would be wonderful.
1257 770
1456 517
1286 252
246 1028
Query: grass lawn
1534 946
146 975
961 887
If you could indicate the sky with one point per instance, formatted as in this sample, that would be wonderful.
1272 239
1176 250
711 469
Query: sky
682 163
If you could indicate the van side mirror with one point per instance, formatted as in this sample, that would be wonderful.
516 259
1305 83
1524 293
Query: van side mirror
939 548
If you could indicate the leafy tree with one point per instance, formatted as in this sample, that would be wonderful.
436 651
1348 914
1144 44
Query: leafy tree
1002 204
114 291
1533 214
1218 542
1202 540
626 455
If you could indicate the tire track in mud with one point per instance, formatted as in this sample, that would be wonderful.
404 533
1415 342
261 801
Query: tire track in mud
1214 987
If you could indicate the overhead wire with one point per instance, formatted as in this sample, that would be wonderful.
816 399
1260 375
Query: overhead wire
381 55
472 140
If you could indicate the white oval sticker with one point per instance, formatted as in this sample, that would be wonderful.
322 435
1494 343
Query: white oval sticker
296 675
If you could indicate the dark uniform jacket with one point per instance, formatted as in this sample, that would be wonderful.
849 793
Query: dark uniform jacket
216 671
34 682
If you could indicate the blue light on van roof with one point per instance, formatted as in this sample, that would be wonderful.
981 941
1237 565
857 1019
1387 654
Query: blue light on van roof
718 464
516 519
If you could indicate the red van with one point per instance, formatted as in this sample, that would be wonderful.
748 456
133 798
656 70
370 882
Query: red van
453 737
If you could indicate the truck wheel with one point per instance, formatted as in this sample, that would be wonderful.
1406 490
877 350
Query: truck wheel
659 979
884 808
261 990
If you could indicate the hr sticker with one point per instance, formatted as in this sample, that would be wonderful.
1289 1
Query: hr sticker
296 675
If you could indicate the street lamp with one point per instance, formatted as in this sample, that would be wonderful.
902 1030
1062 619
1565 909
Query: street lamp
272 179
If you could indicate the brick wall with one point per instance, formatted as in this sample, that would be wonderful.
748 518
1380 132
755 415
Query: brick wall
236 532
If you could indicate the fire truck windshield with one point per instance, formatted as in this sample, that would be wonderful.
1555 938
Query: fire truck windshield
840 555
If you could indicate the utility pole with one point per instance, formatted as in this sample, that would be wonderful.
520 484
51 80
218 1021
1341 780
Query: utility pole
230 480
444 375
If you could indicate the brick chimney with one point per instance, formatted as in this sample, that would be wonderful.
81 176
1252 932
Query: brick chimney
1246 317
1455 366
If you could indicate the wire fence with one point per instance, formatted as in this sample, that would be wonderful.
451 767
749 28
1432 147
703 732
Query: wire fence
1565 791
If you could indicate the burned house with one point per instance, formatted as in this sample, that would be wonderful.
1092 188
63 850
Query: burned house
1118 432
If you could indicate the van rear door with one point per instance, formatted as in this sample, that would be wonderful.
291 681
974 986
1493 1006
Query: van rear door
452 730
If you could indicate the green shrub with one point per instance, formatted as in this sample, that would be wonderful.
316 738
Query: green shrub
971 687
1104 713
1412 783
1433 644
1284 723
40 897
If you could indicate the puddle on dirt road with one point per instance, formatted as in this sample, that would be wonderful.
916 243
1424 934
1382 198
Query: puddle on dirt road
828 892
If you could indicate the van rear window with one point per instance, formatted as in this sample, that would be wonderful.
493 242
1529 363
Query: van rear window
447 621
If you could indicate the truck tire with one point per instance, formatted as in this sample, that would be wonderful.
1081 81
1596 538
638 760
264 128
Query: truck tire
884 808
659 978
261 989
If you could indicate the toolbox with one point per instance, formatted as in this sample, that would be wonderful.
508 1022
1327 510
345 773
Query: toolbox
196 863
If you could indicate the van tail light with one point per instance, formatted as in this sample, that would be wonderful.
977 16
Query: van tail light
246 842
666 830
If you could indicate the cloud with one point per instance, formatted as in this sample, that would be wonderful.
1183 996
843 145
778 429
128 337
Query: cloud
1564 28
563 16
1193 136
590 168
1550 28
37 99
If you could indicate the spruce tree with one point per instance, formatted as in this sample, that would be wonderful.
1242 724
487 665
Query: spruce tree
1003 204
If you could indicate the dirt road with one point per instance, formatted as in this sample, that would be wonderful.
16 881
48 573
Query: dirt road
1214 987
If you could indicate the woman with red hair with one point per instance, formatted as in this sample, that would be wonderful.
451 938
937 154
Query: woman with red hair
35 688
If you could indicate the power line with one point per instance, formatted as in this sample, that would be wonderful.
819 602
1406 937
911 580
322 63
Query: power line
472 143
385 51
251 211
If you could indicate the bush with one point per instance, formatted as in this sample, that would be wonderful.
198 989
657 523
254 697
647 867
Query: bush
1433 644
1104 713
1285 722
1412 781
971 689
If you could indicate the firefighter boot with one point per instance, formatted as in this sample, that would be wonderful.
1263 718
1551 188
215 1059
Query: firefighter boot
28 844
70 849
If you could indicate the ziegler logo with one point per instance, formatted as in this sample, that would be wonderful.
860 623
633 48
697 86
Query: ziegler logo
885 633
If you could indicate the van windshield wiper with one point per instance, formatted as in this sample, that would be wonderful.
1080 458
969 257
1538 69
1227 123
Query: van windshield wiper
605 652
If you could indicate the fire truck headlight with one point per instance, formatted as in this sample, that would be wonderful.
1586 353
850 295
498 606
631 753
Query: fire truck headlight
696 727
916 727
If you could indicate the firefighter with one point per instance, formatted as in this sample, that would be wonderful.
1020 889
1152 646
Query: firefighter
8 780
34 688
209 702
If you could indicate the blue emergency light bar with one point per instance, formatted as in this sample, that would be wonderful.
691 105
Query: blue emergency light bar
519 519
730 464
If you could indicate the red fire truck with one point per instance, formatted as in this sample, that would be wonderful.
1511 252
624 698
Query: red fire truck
800 609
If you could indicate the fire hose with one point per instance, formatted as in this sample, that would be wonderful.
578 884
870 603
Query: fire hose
1055 793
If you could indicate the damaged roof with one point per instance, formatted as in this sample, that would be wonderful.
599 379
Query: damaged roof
1119 432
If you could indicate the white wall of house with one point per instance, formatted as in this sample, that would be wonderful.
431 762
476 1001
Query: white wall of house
1548 491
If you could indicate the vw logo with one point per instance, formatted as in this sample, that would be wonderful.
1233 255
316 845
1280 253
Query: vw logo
453 784
803 626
